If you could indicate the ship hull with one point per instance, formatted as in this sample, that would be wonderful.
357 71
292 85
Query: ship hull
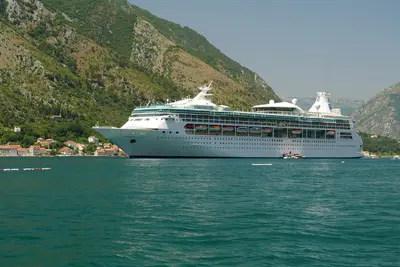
169 143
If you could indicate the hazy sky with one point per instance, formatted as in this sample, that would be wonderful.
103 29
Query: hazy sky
350 48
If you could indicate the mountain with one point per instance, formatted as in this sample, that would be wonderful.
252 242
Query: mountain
347 106
381 114
91 61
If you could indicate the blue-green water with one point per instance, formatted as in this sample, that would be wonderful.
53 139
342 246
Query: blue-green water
126 212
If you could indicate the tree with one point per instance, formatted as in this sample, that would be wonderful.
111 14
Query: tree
91 148
27 141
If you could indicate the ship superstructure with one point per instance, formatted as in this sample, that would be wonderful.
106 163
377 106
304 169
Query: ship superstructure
197 127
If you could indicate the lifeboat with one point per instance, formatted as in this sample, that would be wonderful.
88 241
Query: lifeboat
266 130
215 128
255 129
298 131
228 128
330 132
189 126
201 127
241 129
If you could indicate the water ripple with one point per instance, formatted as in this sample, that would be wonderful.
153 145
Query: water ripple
121 212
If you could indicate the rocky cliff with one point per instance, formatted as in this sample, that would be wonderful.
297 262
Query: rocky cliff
95 60
381 114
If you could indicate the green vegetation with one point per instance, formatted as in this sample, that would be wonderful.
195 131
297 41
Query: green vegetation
380 145
3 6
90 148
60 131
107 22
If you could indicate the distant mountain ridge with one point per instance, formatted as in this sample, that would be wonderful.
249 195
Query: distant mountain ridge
381 114
95 60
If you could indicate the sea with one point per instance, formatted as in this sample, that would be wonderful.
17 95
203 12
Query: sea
199 212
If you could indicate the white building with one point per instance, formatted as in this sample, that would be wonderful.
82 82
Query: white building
9 150
93 139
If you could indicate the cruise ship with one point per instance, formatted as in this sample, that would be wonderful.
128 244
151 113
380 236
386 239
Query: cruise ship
198 128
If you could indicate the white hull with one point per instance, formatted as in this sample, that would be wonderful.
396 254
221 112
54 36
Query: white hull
176 143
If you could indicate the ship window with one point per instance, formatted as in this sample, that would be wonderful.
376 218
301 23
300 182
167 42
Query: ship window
132 141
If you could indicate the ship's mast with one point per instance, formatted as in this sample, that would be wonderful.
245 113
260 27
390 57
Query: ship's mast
204 90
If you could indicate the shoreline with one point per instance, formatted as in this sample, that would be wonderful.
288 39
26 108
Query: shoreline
93 156
89 156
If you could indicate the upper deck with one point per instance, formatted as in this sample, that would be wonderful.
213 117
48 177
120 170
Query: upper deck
167 109
321 110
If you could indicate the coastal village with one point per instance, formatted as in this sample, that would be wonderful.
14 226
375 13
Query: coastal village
45 148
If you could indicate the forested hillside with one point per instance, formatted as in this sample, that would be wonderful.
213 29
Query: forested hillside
65 65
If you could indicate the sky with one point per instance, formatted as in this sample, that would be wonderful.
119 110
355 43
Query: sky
350 48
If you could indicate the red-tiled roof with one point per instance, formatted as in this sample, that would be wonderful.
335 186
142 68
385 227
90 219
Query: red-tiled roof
10 146
65 149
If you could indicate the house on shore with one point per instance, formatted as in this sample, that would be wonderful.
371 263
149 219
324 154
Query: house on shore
109 152
23 152
9 150
66 151
71 144
38 151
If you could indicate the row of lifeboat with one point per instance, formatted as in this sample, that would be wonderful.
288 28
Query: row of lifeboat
227 128
239 129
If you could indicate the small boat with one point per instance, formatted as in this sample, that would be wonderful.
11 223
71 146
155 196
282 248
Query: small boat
261 164
292 156
189 126
241 129
201 127
266 130
228 128
215 128
298 131
396 157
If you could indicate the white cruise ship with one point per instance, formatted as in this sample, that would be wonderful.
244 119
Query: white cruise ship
198 128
